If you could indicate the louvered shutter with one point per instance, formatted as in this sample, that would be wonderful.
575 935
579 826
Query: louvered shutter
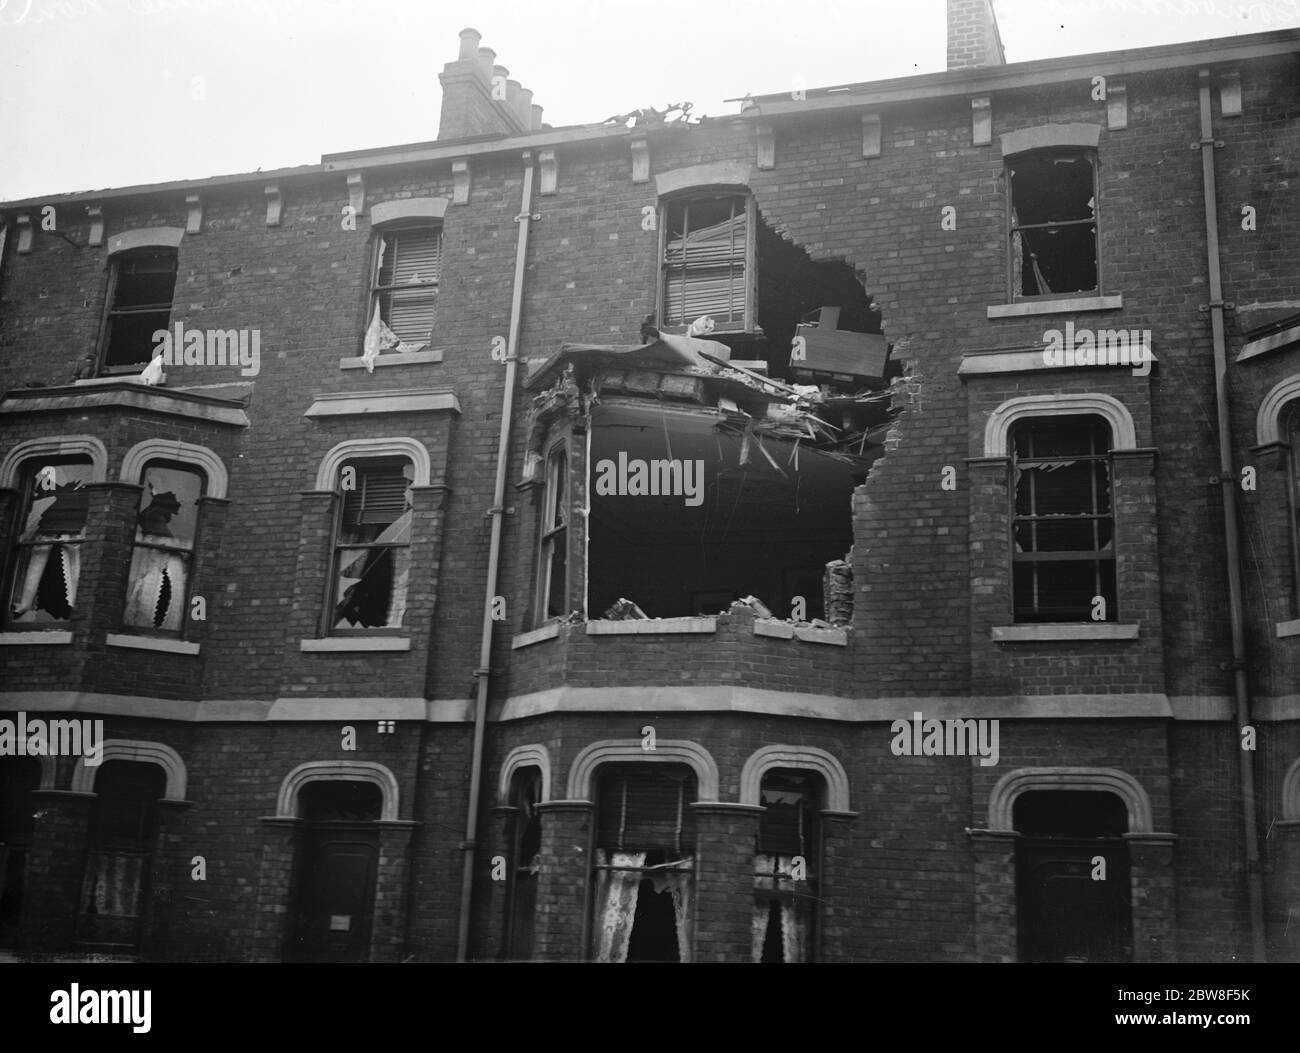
646 809
706 272
408 278
379 497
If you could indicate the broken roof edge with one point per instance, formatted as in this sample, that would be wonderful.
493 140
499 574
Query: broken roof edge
668 354
1031 73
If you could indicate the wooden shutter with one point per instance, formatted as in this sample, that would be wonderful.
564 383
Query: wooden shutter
408 277
706 271
379 497
646 808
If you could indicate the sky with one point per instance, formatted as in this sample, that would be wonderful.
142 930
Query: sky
110 93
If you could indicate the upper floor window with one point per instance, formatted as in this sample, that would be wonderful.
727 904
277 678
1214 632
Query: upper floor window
157 594
46 563
372 544
140 294
552 566
1063 525
1052 209
404 292
1291 436
708 260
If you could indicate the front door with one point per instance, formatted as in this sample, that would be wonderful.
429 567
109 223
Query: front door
336 893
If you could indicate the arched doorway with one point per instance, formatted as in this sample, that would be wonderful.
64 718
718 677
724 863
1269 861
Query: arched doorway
1073 887
333 902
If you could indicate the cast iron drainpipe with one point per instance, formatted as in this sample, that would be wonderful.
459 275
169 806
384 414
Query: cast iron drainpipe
484 671
1228 483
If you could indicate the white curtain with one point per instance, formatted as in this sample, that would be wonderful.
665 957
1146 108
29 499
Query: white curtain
148 604
681 884
774 873
616 896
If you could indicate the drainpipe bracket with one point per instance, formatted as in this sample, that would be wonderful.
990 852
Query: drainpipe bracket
536 216
1225 305
1216 143
467 846
1232 667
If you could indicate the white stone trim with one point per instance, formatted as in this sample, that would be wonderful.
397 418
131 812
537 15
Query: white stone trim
808 758
407 358
1057 305
1123 432
1269 418
400 446
718 173
1272 342
37 637
360 403
1291 792
55 446
146 238
141 453
1049 631
629 751
286 803
354 643
430 208
1288 629
534 755
548 631
650 626
151 643
1049 136
83 775
1003 796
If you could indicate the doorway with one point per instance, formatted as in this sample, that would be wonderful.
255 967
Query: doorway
334 888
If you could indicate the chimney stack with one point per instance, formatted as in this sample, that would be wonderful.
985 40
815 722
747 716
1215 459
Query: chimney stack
469 108
973 38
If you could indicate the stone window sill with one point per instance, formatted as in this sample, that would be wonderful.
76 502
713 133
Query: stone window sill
410 358
786 631
637 626
151 643
355 643
545 632
1285 629
1061 305
1050 631
38 639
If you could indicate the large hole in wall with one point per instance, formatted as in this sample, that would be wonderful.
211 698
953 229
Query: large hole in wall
726 529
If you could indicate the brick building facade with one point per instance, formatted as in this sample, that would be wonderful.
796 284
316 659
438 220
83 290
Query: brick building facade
347 586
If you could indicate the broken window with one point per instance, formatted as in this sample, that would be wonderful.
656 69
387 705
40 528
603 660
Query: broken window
1053 218
785 877
404 294
692 509
1063 527
708 260
553 579
158 583
372 544
525 795
47 561
645 865
140 303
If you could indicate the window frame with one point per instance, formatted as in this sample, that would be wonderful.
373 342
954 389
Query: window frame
1289 433
550 536
29 471
814 802
187 555
749 320
1014 518
328 617
525 795
1091 155
375 290
111 311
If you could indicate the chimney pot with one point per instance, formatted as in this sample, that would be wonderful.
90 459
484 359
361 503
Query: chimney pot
537 118
486 57
525 108
469 40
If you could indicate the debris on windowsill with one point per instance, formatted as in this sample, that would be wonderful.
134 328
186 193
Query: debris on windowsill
753 603
624 610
